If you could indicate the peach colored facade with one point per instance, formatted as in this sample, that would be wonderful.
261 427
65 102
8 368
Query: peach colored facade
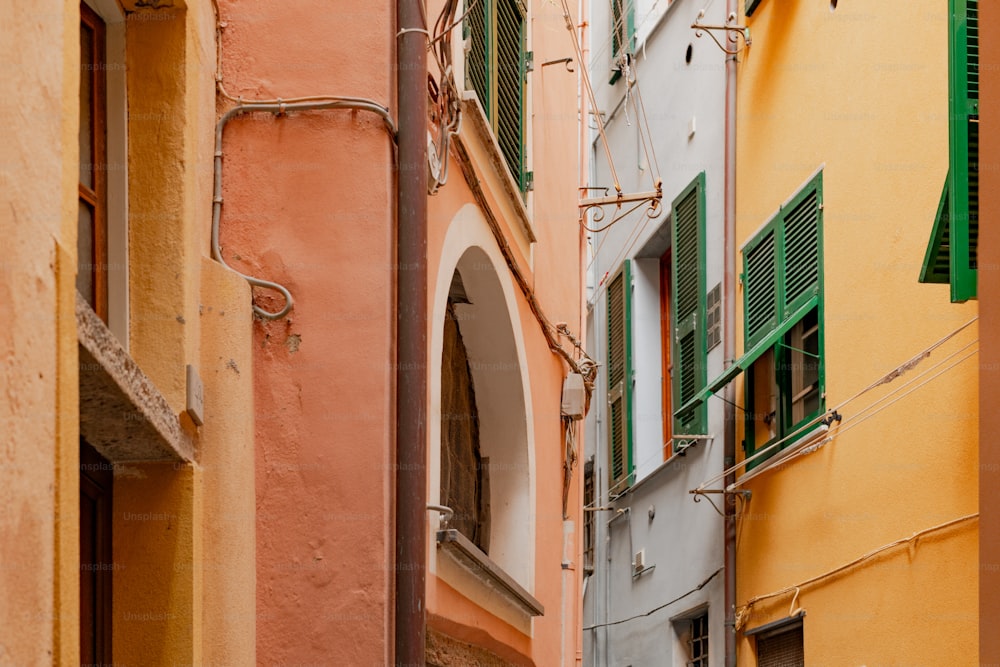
251 511
309 203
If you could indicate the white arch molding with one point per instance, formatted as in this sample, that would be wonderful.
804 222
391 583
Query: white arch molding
491 331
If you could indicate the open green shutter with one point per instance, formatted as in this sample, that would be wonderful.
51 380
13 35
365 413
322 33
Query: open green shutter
689 306
963 213
937 260
800 246
760 288
622 34
620 378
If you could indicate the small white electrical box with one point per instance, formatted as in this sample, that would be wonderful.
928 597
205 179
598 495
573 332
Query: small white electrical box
639 564
574 396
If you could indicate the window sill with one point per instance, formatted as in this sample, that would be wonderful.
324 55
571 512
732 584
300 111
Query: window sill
472 559
812 439
476 139
122 413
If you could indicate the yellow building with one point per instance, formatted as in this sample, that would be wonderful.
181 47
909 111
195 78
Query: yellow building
123 420
856 486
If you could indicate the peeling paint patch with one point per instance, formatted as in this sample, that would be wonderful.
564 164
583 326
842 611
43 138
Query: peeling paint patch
231 364
293 342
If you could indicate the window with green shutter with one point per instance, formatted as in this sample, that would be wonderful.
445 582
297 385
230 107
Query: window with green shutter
495 67
951 255
689 309
783 311
619 370
622 35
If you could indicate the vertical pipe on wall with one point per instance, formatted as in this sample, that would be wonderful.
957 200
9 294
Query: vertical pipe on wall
411 334
729 446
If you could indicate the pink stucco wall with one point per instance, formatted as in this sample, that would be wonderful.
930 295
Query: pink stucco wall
308 203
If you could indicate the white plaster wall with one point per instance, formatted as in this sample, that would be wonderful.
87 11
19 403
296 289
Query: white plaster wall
684 540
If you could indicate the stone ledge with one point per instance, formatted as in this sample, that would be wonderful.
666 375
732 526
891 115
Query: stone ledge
469 556
499 173
122 413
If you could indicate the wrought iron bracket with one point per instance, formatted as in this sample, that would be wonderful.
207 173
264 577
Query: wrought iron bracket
734 33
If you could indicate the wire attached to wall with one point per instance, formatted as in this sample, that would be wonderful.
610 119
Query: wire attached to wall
279 107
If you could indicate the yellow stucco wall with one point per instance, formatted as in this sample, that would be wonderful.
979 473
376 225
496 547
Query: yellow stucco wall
861 93
170 520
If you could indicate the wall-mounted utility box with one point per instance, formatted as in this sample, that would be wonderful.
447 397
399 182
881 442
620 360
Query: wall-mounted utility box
574 396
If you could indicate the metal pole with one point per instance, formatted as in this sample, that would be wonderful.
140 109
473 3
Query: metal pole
729 440
411 334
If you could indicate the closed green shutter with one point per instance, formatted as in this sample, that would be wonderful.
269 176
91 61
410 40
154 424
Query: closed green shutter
495 68
963 215
619 368
510 85
689 371
476 69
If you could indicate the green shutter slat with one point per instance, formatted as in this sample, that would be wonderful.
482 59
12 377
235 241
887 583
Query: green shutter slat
761 288
510 86
619 375
801 240
476 61
686 255
963 214
616 330
687 353
937 259
688 305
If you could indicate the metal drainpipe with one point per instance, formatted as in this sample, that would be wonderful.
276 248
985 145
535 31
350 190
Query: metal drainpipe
729 445
411 335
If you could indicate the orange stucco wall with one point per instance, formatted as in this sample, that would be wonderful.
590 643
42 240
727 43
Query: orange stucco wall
308 203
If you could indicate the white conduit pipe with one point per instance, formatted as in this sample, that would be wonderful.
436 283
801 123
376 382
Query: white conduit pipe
278 108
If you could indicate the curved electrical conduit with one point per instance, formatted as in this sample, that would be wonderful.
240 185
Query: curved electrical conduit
278 108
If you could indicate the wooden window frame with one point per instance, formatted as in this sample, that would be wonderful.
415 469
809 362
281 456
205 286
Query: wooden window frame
96 567
666 384
95 197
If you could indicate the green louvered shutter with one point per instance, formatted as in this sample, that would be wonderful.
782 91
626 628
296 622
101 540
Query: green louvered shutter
800 259
510 69
963 185
760 290
622 32
689 368
476 73
620 379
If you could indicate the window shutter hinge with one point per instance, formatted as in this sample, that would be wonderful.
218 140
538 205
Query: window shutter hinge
529 61
529 181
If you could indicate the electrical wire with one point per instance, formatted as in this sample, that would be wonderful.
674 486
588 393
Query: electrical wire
662 606
743 612
802 429
590 93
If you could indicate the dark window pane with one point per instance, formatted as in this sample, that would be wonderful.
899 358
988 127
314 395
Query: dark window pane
85 252
86 105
